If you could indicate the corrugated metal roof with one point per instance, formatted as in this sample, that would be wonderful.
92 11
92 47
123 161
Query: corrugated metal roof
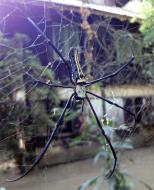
117 12
101 9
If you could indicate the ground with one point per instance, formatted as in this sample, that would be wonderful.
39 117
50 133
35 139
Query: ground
139 163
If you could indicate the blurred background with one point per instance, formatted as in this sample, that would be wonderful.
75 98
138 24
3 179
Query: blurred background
107 34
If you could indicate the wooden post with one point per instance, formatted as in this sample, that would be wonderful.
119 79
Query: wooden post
89 44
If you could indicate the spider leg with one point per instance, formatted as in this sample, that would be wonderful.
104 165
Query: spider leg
112 103
72 103
51 45
106 138
111 75
52 135
83 103
47 84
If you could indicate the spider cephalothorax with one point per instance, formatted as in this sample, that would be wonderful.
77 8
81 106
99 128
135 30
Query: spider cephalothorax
80 91
79 84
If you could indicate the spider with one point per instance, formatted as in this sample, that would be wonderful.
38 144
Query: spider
80 93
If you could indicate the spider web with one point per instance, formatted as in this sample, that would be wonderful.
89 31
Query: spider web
104 44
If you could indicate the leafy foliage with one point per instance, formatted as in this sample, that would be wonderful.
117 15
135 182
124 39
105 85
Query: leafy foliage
22 102
147 29
119 180
147 25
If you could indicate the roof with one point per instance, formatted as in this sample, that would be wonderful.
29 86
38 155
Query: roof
108 10
117 12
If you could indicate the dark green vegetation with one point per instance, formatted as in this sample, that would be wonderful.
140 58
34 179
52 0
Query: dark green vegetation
25 107
147 30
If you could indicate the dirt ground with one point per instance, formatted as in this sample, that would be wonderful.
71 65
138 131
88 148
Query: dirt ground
138 163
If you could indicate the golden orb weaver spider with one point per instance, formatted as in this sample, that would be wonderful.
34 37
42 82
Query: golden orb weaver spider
79 85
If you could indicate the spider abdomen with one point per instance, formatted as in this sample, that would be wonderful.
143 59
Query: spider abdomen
76 70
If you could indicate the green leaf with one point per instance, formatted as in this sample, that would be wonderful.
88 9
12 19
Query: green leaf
88 183
100 155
